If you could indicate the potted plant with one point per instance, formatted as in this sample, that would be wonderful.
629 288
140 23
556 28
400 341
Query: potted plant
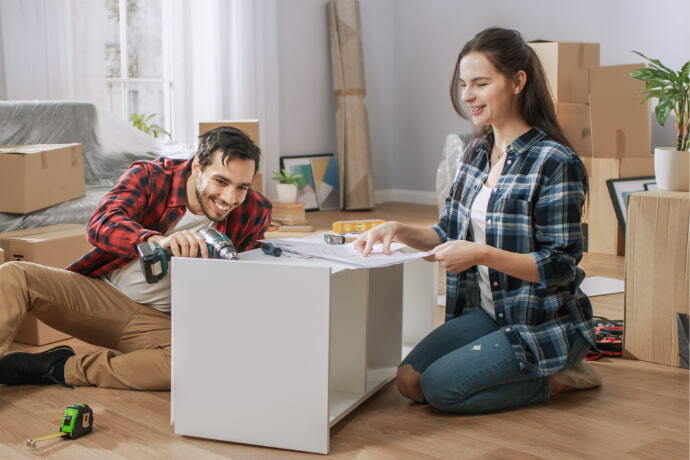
287 185
672 89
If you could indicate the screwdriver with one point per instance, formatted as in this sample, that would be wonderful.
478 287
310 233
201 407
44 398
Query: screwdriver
271 249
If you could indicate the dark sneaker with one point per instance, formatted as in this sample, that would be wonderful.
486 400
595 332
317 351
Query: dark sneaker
35 368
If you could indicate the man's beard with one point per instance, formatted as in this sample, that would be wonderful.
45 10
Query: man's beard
202 199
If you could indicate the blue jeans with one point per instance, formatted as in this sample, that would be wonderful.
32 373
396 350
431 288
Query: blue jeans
467 366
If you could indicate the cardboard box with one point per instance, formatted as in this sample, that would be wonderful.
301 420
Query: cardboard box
657 274
251 129
56 246
575 122
620 124
565 65
34 177
604 234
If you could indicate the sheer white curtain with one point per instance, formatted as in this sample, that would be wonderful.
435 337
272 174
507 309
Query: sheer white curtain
224 60
53 49
225 67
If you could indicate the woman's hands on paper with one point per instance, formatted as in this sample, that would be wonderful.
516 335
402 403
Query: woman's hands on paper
458 256
384 234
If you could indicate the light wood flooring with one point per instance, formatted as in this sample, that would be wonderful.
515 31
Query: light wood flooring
641 411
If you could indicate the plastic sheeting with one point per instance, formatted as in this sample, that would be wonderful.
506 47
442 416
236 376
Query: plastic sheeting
110 145
448 168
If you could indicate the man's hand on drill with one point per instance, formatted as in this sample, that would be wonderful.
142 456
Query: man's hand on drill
182 244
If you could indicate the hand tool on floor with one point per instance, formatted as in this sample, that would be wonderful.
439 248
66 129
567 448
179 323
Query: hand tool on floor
76 422
155 260
609 338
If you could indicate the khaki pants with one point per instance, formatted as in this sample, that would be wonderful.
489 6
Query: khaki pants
90 309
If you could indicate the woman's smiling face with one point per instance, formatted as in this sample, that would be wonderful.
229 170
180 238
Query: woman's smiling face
490 97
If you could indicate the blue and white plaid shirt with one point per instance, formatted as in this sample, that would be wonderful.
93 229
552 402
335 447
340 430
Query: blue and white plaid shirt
535 208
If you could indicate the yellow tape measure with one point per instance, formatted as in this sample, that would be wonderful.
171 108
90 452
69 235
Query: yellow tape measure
348 226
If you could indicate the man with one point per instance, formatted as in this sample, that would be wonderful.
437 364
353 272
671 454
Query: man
103 298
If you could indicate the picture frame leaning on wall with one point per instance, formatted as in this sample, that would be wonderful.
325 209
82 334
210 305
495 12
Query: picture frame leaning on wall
320 188
620 190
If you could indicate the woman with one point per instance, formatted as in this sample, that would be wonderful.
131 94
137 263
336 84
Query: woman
510 237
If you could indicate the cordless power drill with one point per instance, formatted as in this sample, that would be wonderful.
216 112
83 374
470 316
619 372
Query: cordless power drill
155 260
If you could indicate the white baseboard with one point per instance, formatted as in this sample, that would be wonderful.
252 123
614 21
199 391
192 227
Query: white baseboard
405 196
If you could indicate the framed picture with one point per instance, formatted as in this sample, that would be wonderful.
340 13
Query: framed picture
620 190
320 187
650 186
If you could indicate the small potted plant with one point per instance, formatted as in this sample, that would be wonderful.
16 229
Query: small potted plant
287 185
672 89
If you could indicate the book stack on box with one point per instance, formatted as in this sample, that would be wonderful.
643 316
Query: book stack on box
289 213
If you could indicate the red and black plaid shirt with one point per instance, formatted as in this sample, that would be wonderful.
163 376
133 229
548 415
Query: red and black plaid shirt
149 198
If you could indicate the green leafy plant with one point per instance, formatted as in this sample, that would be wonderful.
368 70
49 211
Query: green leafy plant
672 89
285 177
141 122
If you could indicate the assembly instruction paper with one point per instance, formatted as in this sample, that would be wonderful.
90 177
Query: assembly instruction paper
346 253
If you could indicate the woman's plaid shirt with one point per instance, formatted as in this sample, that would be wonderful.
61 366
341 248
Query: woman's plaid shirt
148 199
535 208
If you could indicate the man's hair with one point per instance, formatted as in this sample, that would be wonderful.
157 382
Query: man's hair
232 143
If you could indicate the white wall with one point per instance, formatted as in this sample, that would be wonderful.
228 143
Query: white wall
307 104
430 35
410 47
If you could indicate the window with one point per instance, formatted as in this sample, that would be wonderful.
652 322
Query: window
137 60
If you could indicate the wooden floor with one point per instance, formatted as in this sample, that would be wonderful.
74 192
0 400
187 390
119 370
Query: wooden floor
641 411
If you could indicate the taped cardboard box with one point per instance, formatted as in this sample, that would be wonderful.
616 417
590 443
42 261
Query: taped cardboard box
565 65
604 234
620 125
575 122
56 246
251 129
34 177
657 274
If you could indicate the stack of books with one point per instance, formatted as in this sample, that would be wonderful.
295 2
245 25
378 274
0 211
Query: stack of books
288 213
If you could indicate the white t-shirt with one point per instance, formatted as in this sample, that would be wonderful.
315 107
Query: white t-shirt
478 219
131 281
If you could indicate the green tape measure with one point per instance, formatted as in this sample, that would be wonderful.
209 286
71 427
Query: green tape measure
76 422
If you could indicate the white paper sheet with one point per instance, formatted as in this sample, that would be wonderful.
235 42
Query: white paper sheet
346 253
601 285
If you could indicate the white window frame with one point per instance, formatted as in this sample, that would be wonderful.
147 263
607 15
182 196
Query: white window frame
166 81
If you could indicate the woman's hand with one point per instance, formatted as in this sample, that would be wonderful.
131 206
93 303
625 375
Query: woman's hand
458 256
384 234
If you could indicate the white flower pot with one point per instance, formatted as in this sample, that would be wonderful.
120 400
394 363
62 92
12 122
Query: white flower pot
672 169
287 193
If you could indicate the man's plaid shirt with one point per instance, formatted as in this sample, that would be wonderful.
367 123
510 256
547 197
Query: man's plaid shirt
535 208
148 199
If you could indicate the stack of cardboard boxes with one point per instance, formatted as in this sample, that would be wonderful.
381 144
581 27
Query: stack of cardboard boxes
600 112
34 177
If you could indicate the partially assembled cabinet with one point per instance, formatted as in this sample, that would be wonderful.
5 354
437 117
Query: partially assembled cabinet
275 351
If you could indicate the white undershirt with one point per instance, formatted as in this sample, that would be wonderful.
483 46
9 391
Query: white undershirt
478 222
131 281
